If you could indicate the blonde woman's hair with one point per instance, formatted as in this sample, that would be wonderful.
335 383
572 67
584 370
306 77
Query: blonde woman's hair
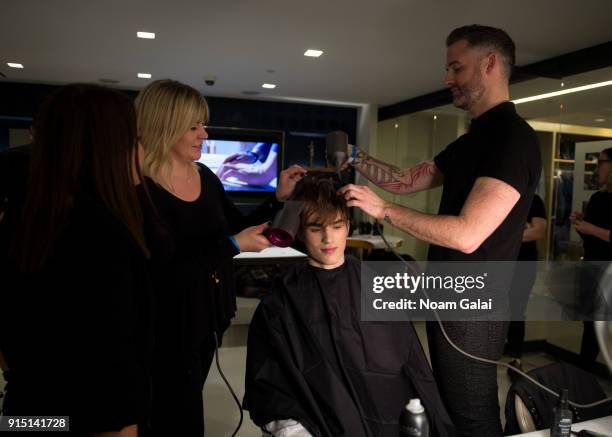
166 109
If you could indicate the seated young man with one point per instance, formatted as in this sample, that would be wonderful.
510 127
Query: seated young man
313 367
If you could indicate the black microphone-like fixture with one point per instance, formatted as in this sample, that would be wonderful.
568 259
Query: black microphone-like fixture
336 148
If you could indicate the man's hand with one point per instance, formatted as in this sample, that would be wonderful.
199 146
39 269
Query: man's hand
576 215
287 181
584 227
252 239
364 198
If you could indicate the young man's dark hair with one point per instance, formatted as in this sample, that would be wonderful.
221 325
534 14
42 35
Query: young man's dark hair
486 37
319 197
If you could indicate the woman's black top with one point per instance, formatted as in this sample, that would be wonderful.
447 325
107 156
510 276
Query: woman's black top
192 262
77 335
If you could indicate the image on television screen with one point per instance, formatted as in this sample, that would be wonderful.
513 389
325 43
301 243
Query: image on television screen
242 165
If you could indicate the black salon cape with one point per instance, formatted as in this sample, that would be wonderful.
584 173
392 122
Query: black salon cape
361 390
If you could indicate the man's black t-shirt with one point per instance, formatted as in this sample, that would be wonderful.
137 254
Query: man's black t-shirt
599 213
529 249
500 145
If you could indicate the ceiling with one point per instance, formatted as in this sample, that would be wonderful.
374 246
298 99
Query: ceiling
586 108
378 52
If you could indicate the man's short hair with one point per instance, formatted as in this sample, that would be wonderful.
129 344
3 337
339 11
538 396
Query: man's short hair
319 198
486 37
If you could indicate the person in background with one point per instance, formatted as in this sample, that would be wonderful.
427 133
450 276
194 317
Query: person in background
524 278
594 227
198 233
314 368
75 329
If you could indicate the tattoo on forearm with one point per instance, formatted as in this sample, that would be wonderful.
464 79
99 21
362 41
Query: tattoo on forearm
389 177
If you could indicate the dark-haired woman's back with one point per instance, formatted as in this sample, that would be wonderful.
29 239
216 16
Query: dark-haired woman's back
76 308
76 334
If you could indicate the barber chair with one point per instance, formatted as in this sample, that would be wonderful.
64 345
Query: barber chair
360 249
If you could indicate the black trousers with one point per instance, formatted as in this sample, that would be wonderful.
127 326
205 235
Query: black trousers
468 387
178 407
590 304
522 283
516 337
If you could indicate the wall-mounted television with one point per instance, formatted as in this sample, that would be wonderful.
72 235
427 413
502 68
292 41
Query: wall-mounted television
245 160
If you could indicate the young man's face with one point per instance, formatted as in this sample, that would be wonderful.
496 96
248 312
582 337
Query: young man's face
325 244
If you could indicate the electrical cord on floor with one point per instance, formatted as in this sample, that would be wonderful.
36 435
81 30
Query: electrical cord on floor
485 360
228 385
587 433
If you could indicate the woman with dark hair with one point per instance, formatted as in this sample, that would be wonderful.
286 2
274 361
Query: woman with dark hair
75 330
594 227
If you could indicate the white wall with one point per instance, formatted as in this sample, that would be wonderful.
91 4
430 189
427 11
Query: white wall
406 141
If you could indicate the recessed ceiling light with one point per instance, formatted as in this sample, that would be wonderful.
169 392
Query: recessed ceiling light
144 75
313 53
145 35
600 120
14 65
562 92
269 86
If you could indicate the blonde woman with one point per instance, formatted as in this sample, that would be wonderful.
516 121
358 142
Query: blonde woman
199 231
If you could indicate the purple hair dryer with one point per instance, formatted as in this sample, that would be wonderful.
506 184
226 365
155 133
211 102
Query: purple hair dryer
285 225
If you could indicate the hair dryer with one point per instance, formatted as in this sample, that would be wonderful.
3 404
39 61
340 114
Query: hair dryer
336 149
285 224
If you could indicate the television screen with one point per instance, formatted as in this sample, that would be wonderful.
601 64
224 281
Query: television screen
243 163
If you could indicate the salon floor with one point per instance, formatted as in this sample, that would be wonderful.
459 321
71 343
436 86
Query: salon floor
221 412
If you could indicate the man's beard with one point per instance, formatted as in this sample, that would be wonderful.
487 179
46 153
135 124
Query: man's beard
470 93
